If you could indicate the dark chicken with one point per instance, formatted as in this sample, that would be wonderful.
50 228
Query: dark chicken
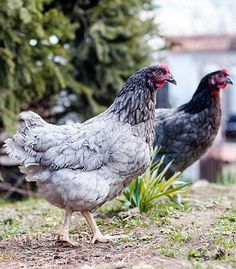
186 133
79 167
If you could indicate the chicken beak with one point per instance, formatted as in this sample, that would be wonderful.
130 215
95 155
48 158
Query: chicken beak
229 80
171 80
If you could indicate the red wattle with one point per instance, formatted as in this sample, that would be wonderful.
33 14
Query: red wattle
160 84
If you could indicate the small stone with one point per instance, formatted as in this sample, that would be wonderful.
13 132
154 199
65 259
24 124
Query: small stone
87 267
142 266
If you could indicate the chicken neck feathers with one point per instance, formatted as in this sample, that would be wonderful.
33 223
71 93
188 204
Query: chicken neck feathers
205 96
136 106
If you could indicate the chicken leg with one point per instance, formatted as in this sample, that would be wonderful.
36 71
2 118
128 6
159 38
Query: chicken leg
63 233
97 235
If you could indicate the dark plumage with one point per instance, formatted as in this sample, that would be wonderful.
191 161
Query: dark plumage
185 133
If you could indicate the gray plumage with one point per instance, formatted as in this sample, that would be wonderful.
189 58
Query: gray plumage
81 166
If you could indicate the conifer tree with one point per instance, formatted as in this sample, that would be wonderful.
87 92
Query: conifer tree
32 55
88 47
111 43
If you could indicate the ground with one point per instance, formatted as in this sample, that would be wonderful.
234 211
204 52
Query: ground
200 235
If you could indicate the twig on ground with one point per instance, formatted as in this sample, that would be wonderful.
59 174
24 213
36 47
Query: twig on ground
10 189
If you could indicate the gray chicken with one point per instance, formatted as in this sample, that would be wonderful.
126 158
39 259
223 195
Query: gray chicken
79 167
185 133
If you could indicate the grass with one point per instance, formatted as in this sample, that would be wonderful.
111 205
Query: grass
202 234
31 216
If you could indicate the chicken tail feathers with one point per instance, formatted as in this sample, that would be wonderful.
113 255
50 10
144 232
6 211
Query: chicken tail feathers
20 147
17 153
32 170
32 119
35 173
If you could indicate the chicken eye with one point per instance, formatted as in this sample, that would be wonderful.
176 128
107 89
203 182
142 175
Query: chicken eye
157 73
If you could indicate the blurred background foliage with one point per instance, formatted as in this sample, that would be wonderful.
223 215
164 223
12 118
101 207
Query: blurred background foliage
80 49
29 61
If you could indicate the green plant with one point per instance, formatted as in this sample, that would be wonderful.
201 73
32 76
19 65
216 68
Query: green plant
145 189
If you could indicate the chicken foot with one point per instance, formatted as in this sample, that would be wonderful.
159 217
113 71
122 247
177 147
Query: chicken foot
97 235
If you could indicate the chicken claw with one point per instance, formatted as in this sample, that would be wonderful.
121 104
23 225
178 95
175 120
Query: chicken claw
62 235
106 238
97 235
63 238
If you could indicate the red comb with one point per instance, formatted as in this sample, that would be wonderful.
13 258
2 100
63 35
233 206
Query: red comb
166 67
225 71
